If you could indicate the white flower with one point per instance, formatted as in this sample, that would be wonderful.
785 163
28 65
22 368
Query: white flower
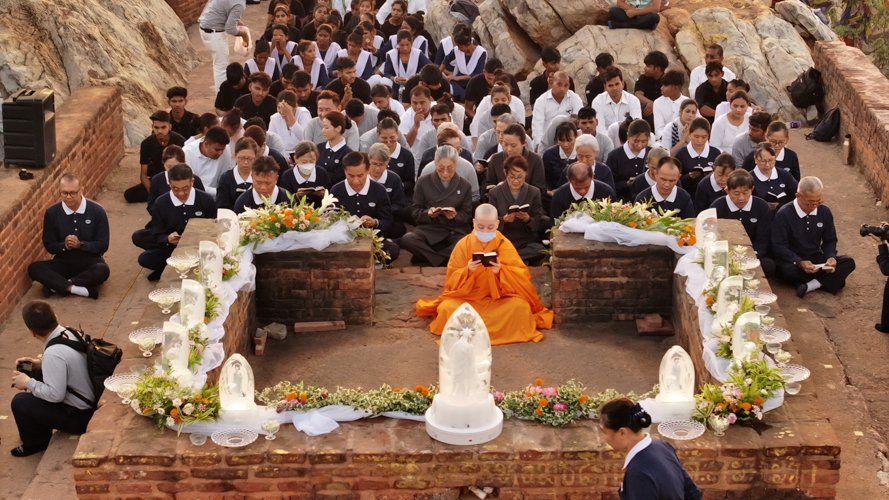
748 381
170 421
764 392
188 409
134 405
248 213
177 402
159 410
328 200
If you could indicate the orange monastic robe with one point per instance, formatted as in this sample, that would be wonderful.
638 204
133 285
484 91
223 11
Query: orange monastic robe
508 302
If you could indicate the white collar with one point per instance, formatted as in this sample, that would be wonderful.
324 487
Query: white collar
623 98
189 201
265 151
337 147
241 180
649 180
397 151
80 210
588 195
364 190
714 185
641 445
658 198
734 208
258 199
562 153
780 156
799 211
298 175
630 154
694 154
761 176
383 177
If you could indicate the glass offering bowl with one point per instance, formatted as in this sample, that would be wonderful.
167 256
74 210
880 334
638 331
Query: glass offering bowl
182 264
165 298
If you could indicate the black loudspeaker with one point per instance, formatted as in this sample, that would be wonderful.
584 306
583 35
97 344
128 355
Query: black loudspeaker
29 128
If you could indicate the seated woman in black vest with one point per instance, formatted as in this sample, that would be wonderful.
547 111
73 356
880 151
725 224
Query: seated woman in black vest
785 158
235 182
520 209
628 161
770 183
698 156
305 178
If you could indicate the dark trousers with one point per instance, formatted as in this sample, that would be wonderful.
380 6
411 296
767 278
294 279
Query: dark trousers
437 254
396 230
37 418
884 318
769 268
830 282
136 194
620 20
392 249
156 258
144 239
61 272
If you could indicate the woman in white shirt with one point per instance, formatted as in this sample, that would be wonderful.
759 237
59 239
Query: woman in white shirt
728 126
730 88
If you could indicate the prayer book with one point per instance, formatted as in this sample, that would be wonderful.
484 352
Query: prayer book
486 258
519 208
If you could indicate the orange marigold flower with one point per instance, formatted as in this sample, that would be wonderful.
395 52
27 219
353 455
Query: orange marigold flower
529 394
291 396
315 219
680 243
746 406
543 402
397 389
539 412
288 212
177 420
174 412
581 399
419 388
710 301
538 381
272 218
146 411
758 401
303 397
692 240
631 224
648 221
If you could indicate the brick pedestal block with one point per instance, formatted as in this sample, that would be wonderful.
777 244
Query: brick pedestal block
600 282
336 283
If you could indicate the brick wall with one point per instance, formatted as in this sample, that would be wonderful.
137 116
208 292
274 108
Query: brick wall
90 142
854 84
600 282
187 10
336 283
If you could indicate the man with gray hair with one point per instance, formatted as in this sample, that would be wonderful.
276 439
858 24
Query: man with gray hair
442 209
804 243
581 184
489 141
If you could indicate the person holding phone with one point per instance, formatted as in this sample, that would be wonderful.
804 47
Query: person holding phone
883 262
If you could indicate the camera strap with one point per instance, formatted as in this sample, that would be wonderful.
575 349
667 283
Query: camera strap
78 345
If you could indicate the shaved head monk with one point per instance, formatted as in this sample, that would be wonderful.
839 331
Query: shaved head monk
486 271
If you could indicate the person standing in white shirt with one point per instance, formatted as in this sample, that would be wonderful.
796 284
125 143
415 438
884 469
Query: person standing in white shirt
219 18
666 107
613 105
699 75
558 100
730 125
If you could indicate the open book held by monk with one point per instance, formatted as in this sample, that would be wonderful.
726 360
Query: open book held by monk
505 298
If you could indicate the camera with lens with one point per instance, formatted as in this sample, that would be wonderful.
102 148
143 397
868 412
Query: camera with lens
881 232
24 367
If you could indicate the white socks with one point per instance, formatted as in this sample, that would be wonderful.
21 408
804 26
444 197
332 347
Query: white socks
83 292
812 285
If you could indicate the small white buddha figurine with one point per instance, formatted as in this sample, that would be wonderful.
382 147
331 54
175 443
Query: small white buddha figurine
192 306
715 254
743 348
728 303
175 353
229 234
677 377
211 267
236 387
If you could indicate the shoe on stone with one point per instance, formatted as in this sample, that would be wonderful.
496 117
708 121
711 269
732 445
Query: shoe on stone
801 290
155 275
26 451
47 291
610 26
93 291
880 328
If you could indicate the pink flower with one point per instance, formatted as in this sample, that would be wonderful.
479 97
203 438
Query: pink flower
732 418
549 392
560 407
498 397
535 389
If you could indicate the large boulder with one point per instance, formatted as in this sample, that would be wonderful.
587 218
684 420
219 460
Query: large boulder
769 54
800 14
140 47
439 20
505 40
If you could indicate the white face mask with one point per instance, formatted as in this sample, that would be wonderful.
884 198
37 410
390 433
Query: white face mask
485 236
305 168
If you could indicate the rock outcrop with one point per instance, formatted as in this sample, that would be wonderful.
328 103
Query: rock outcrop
140 47
799 14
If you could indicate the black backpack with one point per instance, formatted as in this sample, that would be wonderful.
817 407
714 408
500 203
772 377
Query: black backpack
807 90
827 128
101 359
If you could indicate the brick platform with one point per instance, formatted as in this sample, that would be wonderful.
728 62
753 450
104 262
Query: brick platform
861 91
600 282
187 10
333 284
89 132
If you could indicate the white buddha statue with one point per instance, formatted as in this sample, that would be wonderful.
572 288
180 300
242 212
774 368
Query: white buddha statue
192 306
229 234
211 267
175 353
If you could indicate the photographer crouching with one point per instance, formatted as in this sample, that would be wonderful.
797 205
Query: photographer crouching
60 392
880 234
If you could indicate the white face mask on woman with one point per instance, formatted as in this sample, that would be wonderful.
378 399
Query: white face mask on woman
305 168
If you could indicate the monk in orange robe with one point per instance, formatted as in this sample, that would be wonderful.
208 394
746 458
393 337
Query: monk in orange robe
502 293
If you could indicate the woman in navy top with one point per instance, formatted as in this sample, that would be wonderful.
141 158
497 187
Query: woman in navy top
235 182
628 161
378 158
304 179
557 158
712 187
698 156
334 125
770 183
401 160
785 158
403 61
652 470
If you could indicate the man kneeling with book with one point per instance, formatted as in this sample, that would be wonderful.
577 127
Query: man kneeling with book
486 271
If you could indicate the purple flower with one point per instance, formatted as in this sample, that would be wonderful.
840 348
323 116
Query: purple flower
549 392
498 397
201 407
560 407
732 418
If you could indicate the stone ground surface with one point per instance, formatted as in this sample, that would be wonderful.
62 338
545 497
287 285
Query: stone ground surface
835 334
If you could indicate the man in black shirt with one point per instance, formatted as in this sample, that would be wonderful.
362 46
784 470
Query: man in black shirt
76 233
234 86
581 184
185 123
665 194
430 77
648 86
283 83
301 84
258 102
348 86
480 86
150 151
804 242
596 86
712 92
171 214
552 62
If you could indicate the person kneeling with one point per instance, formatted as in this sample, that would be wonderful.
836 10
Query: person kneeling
752 211
171 214
486 272
522 210
265 186
804 242
60 392
76 232
665 194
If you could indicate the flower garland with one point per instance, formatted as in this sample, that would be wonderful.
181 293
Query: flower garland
159 397
742 396
639 215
